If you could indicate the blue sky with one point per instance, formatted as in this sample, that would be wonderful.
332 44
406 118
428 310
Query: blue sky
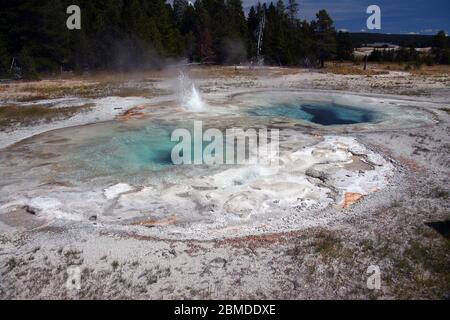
397 16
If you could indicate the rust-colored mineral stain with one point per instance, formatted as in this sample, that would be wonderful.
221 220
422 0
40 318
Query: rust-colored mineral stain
132 113
350 198
156 223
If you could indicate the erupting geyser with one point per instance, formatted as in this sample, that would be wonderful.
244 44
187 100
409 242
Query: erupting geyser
189 97
195 102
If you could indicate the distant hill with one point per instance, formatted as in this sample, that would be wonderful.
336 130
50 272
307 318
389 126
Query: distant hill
404 40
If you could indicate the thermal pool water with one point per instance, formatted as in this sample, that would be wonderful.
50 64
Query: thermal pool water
323 114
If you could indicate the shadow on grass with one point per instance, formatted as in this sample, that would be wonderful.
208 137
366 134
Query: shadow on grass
443 227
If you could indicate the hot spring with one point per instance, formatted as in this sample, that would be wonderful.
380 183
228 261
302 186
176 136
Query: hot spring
122 171
323 114
332 110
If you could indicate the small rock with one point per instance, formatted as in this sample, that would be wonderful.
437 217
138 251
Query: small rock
93 218
30 210
219 261
116 190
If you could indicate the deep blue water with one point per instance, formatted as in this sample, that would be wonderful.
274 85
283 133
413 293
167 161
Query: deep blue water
323 114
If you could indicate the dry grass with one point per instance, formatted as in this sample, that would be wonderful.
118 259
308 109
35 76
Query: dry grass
134 92
347 69
436 70
425 265
13 115
54 89
49 89
121 77
221 72
388 66
235 72
424 70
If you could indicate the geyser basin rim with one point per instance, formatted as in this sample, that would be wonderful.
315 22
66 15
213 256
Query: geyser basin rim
335 97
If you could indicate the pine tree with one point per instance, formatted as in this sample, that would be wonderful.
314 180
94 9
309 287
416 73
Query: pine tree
237 21
252 27
27 65
344 46
187 29
440 40
179 8
324 36
292 8
441 49
205 48
4 58
164 17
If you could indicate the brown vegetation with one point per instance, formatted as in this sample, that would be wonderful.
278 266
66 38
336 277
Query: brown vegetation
12 115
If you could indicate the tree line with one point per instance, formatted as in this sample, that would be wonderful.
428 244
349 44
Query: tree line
439 54
132 34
